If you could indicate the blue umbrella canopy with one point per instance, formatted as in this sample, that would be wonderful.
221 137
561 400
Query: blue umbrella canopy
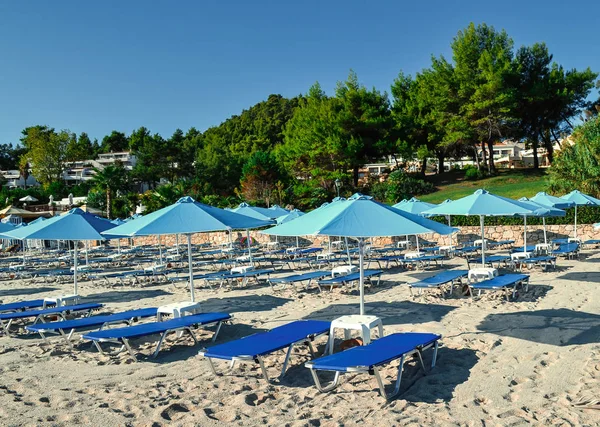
278 210
74 225
187 216
580 199
481 203
256 212
546 199
414 206
6 227
290 216
360 217
35 221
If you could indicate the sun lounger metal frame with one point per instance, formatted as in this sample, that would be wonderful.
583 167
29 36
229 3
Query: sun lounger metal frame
346 279
503 285
7 319
439 280
258 358
191 321
298 278
374 369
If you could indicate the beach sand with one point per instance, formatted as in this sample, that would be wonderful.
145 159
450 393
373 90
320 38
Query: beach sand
533 361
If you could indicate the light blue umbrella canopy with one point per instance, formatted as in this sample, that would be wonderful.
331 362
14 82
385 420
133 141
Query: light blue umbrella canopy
414 206
546 199
359 217
279 211
187 216
75 225
6 227
256 212
118 221
481 203
290 216
35 221
580 199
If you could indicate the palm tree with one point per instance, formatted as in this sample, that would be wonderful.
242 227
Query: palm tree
110 179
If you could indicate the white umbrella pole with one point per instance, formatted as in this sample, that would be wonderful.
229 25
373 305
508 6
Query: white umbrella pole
525 233
24 247
361 253
75 266
575 231
482 241
297 242
329 242
544 222
417 240
118 246
177 243
159 251
87 260
190 266
347 251
249 247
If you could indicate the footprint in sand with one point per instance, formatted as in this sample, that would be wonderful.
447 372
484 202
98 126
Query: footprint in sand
174 412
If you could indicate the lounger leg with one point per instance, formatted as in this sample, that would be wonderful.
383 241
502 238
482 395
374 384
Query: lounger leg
325 389
129 349
286 360
189 331
160 341
263 369
398 381
98 347
214 338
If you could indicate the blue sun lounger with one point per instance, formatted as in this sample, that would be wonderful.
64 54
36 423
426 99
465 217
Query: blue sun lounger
6 319
369 358
490 260
544 261
387 260
568 250
591 242
423 261
439 280
349 278
244 277
503 283
66 328
23 305
254 348
298 278
122 336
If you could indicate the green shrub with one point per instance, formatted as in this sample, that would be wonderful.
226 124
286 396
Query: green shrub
403 186
472 173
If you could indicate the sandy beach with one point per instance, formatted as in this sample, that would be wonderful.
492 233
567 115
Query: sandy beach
535 360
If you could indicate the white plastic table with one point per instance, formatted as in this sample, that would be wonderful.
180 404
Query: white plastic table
482 273
363 324
178 309
61 300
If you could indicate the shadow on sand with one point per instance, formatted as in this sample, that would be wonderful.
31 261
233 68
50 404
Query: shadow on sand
245 303
25 291
391 313
559 327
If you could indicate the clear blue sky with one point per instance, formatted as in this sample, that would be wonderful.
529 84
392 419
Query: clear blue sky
104 65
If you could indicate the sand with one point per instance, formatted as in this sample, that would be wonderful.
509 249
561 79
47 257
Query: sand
534 361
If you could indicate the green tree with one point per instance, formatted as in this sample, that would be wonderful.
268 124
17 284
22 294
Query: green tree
483 67
114 143
10 156
577 166
260 176
152 156
79 148
46 152
109 180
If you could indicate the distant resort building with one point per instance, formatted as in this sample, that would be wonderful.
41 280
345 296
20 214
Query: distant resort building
74 172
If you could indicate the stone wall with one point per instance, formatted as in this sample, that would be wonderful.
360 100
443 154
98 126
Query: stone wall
498 232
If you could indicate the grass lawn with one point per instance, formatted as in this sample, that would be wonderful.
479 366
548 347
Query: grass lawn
508 183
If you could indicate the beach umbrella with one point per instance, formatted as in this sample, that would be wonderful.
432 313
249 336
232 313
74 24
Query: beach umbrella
118 221
76 225
580 199
28 199
186 217
263 214
481 203
278 211
414 206
546 199
296 213
540 211
358 217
